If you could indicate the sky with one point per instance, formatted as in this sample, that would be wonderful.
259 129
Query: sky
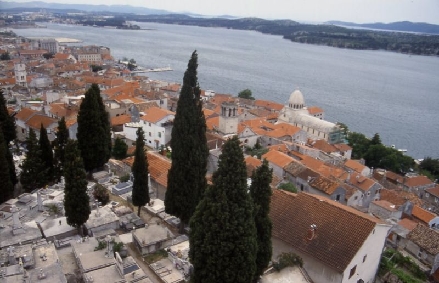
358 11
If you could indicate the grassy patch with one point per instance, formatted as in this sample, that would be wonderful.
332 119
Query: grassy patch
158 255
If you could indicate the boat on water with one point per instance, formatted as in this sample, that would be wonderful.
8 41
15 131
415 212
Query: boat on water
144 70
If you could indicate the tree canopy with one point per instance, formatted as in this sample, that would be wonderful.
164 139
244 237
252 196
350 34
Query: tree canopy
76 199
94 136
187 176
260 192
59 144
6 185
223 241
140 193
34 172
46 153
246 93
7 122
120 149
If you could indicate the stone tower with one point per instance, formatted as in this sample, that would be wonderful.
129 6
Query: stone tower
20 74
228 120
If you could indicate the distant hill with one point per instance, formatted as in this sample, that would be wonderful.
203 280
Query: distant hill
396 26
15 6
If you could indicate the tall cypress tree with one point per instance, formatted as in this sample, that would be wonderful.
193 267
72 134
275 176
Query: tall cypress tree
6 186
223 235
93 136
105 121
260 191
59 144
76 199
46 153
187 176
7 122
140 194
33 174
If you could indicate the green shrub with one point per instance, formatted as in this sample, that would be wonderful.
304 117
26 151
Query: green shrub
286 260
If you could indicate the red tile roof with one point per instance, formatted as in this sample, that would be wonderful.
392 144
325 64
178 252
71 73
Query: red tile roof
38 119
155 114
336 242
120 120
408 224
417 181
278 158
422 214
24 114
434 191
425 238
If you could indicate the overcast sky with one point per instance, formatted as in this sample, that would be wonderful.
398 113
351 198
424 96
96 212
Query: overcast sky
359 11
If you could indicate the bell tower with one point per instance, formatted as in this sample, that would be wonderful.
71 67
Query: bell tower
20 74
228 120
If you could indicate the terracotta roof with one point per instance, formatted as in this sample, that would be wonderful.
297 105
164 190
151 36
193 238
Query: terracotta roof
324 146
394 177
158 167
212 123
278 158
354 165
251 163
342 147
425 238
408 224
279 147
324 185
38 119
336 242
24 114
422 214
417 181
314 110
433 191
155 114
120 120
269 105
392 197
61 56
360 182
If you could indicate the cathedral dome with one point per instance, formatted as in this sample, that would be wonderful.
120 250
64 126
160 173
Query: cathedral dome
296 100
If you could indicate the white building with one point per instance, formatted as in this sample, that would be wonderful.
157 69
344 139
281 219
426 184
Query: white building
89 57
157 125
297 114
337 243
20 74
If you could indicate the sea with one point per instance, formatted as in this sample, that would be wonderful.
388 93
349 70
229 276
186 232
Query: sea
395 95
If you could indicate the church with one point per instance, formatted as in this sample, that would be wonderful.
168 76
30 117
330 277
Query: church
297 114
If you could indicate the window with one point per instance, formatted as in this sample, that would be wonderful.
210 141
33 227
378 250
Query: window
356 197
301 187
149 124
364 258
149 133
160 135
427 195
353 269
337 197
368 193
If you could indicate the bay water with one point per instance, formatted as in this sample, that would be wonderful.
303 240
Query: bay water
395 95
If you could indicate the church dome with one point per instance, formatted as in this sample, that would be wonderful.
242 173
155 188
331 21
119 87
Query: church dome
296 100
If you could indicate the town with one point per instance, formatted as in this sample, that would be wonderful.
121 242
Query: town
332 217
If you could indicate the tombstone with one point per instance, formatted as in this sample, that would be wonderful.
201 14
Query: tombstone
39 201
15 218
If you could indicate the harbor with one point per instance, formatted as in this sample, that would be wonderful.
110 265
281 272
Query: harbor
143 70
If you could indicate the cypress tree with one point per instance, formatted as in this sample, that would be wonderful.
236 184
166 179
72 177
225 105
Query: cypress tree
46 153
222 230
33 174
140 194
93 136
260 192
76 199
120 149
105 121
59 144
7 122
187 176
6 186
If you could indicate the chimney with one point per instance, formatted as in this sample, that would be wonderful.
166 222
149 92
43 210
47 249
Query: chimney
312 233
